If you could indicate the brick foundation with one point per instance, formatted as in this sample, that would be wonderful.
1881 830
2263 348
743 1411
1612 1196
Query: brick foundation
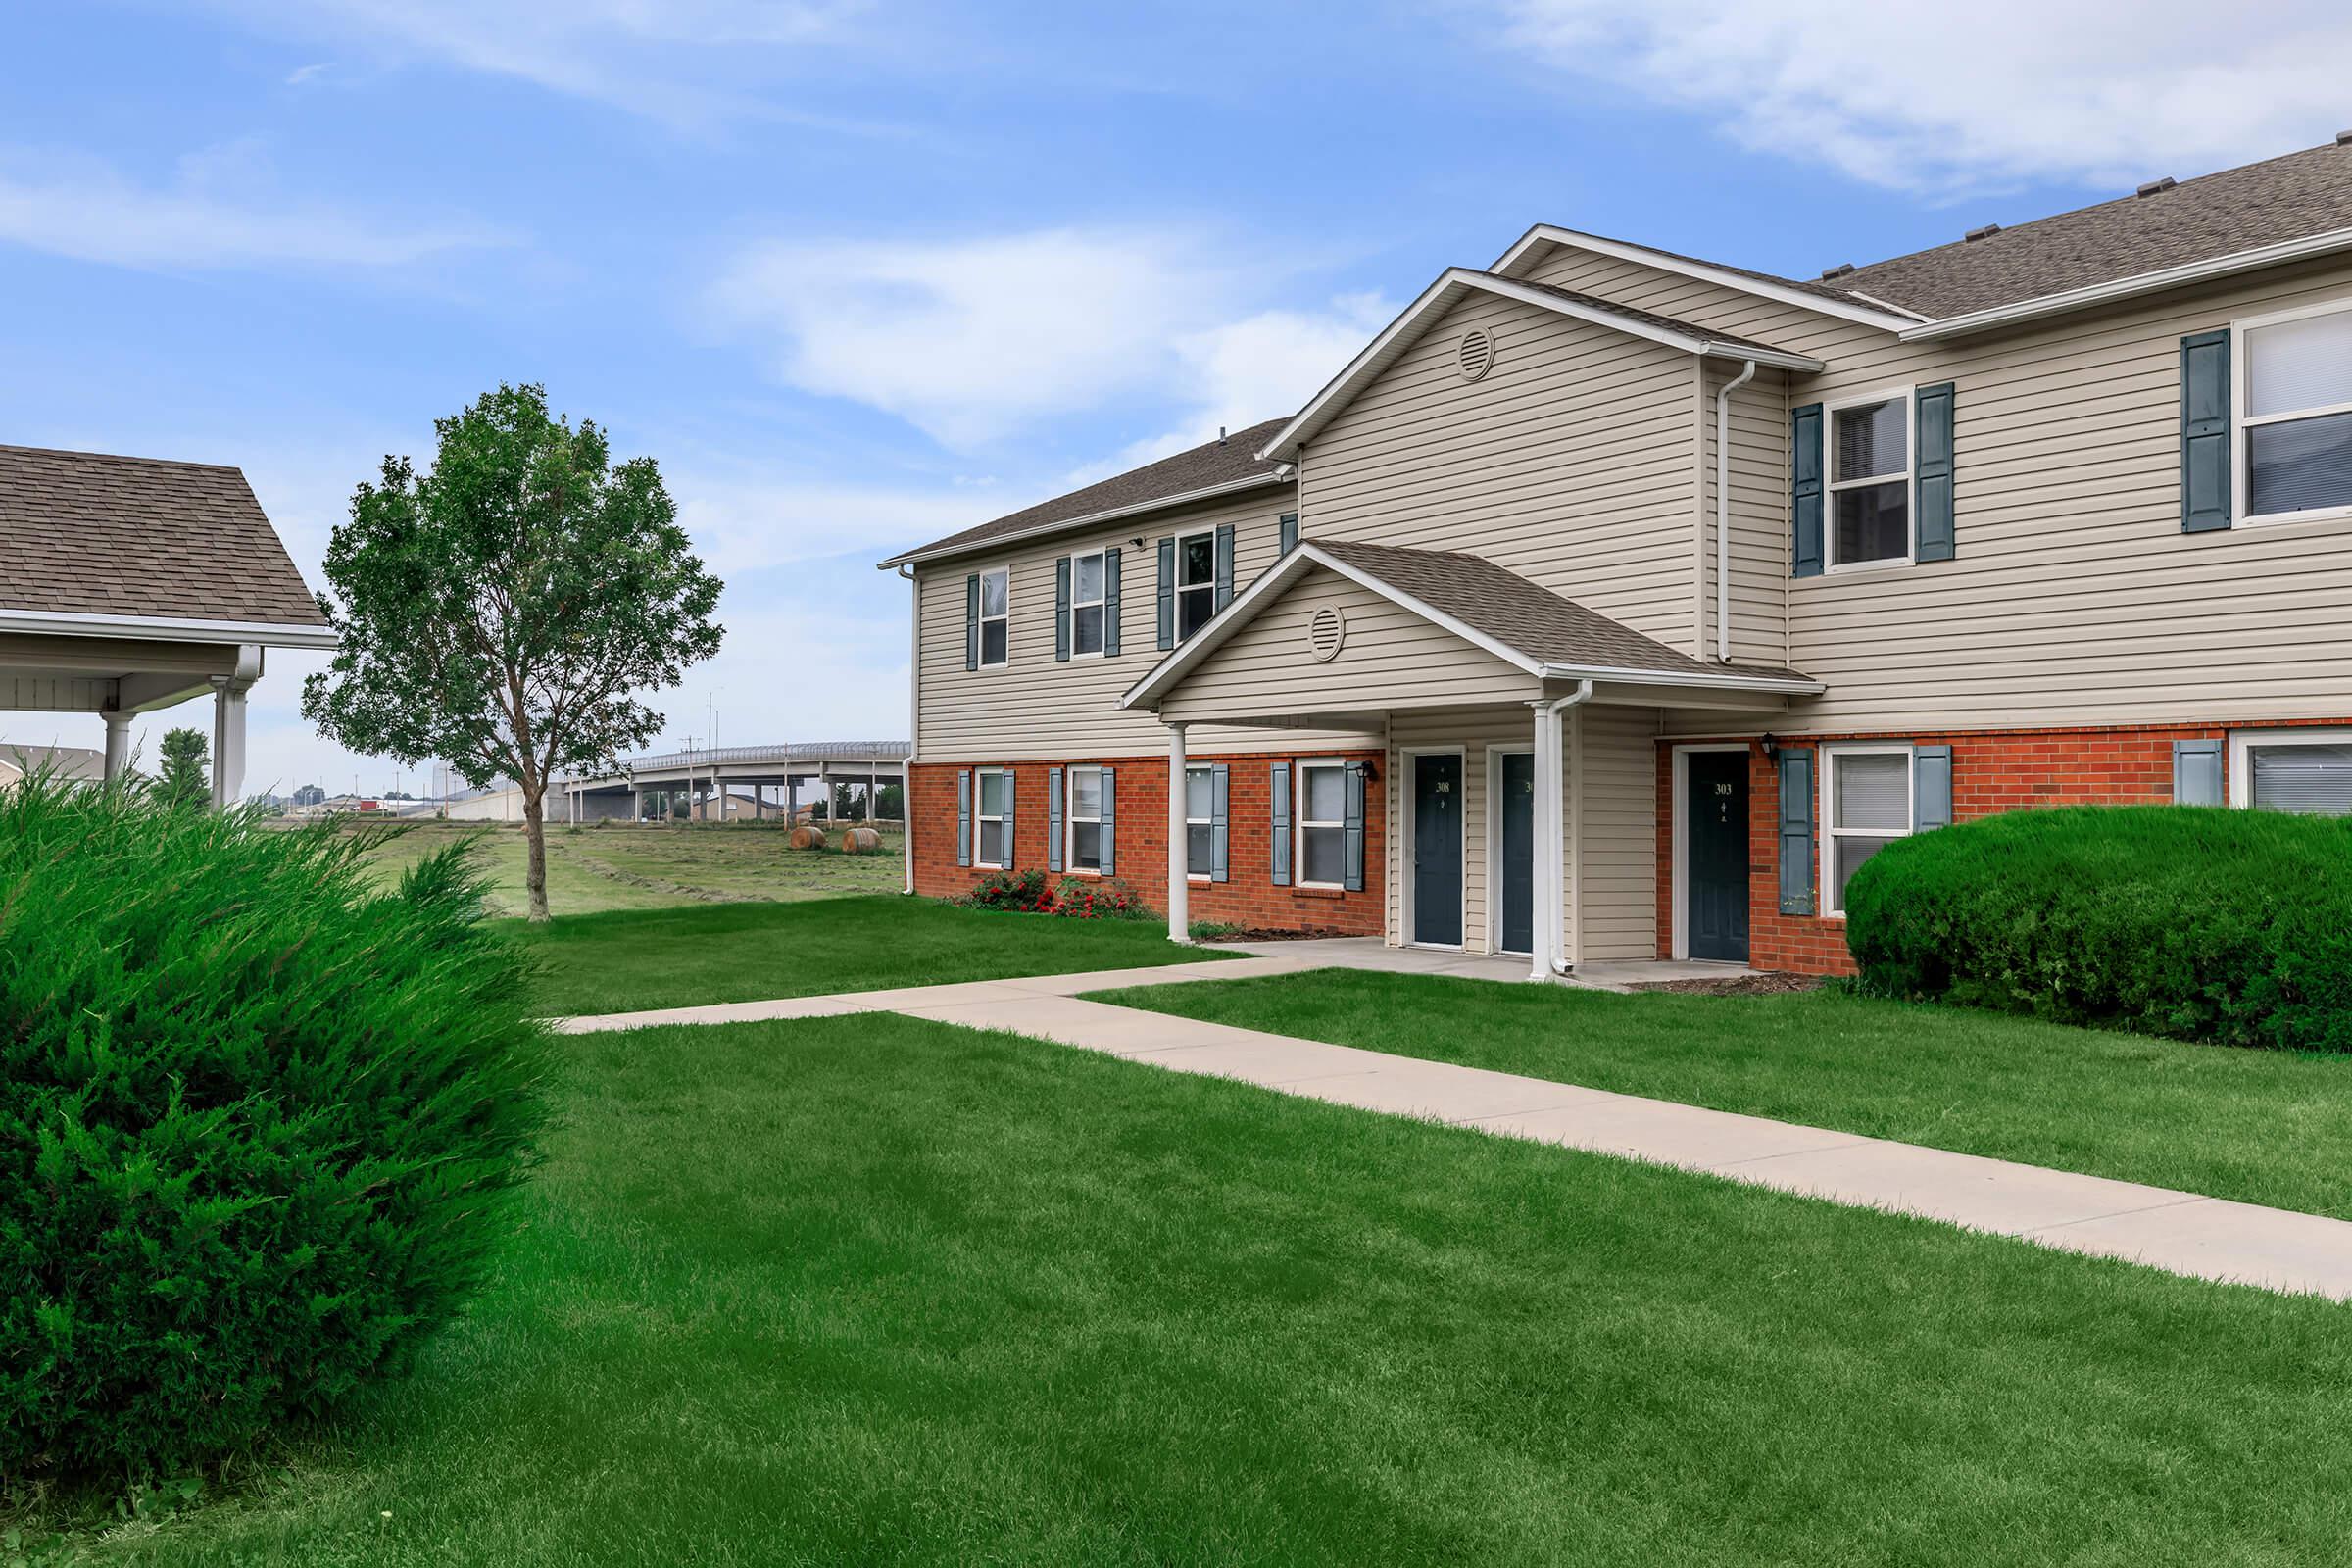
1992 771
1248 898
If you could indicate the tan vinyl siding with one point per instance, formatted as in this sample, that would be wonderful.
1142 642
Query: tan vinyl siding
1572 463
1038 708
1613 784
1390 659
1759 517
2074 597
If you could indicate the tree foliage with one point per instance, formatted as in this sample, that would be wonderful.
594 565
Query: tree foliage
501 612
185 775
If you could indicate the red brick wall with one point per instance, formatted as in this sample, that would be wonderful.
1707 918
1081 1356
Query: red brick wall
1249 897
1992 771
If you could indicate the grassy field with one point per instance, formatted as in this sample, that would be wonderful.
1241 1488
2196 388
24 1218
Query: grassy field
594 869
2265 1127
629 960
874 1290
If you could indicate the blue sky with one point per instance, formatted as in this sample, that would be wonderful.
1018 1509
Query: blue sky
858 274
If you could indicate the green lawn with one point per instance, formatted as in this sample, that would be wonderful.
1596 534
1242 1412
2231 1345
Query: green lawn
2265 1127
873 1290
631 961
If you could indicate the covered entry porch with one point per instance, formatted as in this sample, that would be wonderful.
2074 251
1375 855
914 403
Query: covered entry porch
1518 774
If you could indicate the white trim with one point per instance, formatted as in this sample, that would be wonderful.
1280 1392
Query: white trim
165 628
1495 753
1070 820
1707 272
1784 685
2241 759
1825 817
1831 485
1100 552
1461 849
982 617
979 799
1208 492
1679 920
2164 278
1450 284
1210 821
1339 824
1179 588
2241 420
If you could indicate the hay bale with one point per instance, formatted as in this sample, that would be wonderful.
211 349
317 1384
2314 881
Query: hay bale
859 841
808 838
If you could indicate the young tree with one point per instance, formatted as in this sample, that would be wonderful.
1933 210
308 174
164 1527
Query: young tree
498 611
185 778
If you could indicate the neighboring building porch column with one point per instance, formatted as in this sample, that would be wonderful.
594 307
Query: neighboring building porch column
1180 925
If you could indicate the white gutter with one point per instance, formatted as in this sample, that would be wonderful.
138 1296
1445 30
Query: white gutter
167 629
1723 511
1717 680
914 722
1552 902
974 546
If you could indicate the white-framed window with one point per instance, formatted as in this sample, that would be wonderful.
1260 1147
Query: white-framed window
2294 398
1869 440
1866 805
995 618
1086 820
2303 770
1199 806
989 849
1090 579
1322 824
1196 582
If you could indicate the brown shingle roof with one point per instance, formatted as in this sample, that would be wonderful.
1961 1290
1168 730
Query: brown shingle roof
1510 609
1206 467
84 533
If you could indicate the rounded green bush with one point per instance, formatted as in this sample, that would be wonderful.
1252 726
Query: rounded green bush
2195 922
259 1121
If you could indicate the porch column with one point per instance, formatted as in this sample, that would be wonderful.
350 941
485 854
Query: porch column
118 745
636 805
1180 923
228 739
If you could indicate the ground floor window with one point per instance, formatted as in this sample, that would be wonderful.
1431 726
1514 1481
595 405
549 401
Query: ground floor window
1322 823
1086 820
1200 803
1865 805
2305 771
990 820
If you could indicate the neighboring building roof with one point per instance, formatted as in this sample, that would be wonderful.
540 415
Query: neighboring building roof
84 533
1230 462
1485 605
78 762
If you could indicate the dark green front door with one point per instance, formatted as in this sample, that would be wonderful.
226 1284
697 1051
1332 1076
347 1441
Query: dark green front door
1438 850
1518 870
1715 854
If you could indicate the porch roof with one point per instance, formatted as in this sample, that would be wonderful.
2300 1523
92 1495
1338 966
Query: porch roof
1524 625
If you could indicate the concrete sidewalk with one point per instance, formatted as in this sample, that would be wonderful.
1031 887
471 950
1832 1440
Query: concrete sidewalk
2185 1233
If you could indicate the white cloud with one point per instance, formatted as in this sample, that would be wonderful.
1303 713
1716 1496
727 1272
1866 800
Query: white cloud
216 213
974 340
1922 95
748 525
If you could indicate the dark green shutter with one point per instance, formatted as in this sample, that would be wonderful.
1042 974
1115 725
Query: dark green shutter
2205 431
971 621
1805 498
1931 787
1053 787
1278 819
1932 474
1352 832
1110 602
2197 772
963 816
1110 822
1011 842
1167 593
1796 830
1224 564
1061 608
1218 795
1290 532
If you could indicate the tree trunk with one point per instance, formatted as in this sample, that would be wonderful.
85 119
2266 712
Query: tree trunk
534 830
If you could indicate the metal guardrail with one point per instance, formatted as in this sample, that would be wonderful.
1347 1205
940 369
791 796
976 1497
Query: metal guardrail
724 756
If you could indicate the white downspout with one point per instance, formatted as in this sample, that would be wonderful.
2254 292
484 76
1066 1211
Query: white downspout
915 728
1723 510
1550 901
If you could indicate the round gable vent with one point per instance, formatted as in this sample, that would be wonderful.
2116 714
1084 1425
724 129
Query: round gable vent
1473 354
1326 631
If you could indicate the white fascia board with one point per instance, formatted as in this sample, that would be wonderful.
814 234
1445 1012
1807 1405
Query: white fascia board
980 547
1620 250
1406 330
1723 680
2076 299
156 628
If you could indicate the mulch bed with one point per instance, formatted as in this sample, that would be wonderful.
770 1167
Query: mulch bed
1312 933
1770 983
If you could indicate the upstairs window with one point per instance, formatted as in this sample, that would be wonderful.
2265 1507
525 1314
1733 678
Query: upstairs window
1870 480
1196 582
995 616
2295 446
1089 580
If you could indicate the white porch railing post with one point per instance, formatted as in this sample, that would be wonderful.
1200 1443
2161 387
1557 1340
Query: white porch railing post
1180 925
